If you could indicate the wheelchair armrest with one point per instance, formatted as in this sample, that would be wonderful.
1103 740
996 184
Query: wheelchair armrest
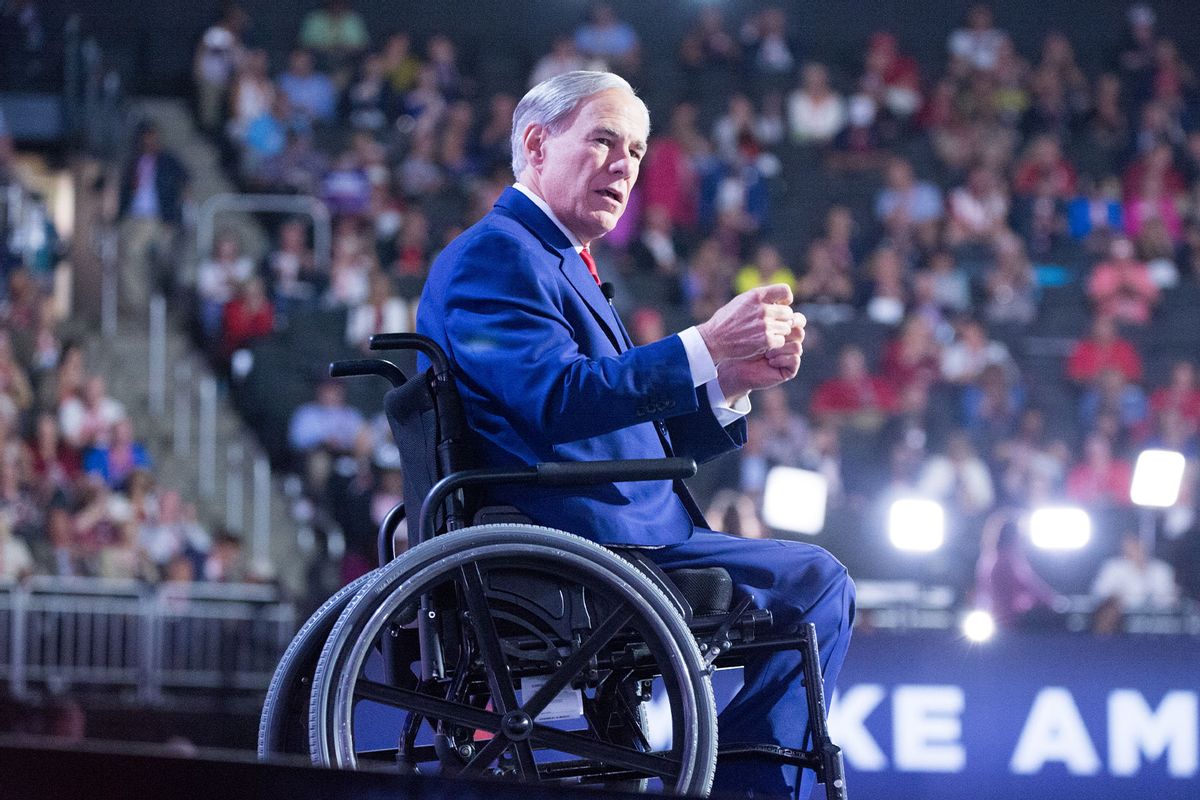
563 473
367 366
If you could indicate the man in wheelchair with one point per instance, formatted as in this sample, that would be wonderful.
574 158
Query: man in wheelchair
547 373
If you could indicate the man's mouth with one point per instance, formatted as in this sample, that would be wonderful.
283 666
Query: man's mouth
612 194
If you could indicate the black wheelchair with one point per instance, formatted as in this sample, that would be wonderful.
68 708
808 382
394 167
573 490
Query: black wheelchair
494 647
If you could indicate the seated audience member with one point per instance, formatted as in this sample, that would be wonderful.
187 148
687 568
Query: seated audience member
951 285
174 533
964 359
217 279
247 317
912 357
1181 395
853 398
336 33
1030 466
295 279
1010 284
657 252
322 429
1132 581
608 38
1044 161
958 477
1121 286
909 209
226 561
16 561
57 552
54 465
563 57
1006 584
977 45
816 113
381 312
1102 350
1094 216
824 292
1100 478
767 268
86 420
311 95
885 296
978 210
787 440
992 406
114 461
1112 394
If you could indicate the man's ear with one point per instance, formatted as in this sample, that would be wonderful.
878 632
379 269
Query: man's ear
534 142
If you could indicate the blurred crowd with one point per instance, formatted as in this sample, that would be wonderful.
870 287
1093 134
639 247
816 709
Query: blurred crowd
1013 194
78 495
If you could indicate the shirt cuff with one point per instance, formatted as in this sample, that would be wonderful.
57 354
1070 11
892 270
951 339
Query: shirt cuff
726 414
700 361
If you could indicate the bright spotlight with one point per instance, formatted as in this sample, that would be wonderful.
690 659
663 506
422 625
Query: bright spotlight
1060 528
978 626
794 500
1157 476
916 524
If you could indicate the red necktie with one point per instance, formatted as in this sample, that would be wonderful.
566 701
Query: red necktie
586 255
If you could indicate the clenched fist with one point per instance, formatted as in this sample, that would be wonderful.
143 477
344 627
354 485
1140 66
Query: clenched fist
750 324
777 365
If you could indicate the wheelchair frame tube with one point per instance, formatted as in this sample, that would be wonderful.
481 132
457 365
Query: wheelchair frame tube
561 473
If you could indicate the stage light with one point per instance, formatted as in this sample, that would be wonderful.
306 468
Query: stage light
916 524
978 626
1157 476
794 500
1060 528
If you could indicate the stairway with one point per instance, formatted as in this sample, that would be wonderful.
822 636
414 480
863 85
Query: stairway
217 473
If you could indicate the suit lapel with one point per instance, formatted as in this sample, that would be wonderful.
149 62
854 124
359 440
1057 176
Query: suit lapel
522 209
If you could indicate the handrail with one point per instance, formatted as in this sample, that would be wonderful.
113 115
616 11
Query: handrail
303 205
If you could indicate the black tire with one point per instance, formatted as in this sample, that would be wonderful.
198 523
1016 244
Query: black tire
629 604
283 724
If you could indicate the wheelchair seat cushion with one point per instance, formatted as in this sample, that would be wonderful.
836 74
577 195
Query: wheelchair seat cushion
708 591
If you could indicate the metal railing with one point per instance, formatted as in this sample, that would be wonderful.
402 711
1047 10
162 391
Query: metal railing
77 632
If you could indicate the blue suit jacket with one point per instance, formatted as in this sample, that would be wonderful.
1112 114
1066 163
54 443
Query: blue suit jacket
547 373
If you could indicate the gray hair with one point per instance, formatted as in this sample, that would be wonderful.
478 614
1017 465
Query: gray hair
551 102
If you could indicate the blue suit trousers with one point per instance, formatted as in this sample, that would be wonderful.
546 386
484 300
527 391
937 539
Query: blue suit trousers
798 582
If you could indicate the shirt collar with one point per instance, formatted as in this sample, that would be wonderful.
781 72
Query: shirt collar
540 203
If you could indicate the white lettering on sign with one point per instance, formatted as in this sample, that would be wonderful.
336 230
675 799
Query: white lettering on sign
1135 731
1054 731
848 714
927 728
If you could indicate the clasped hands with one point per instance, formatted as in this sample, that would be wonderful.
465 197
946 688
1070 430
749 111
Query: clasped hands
756 340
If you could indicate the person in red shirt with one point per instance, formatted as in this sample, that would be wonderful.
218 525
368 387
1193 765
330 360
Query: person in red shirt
1043 160
1100 478
247 316
1103 350
855 397
1181 394
913 356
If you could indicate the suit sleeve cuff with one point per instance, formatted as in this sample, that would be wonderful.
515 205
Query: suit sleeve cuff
725 413
700 362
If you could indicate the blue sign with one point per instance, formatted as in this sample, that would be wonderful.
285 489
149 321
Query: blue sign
929 716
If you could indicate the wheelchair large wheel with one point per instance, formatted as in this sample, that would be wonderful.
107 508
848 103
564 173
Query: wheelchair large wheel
283 725
624 639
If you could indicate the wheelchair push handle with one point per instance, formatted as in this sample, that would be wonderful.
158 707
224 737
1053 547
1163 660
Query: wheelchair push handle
414 341
352 368
576 473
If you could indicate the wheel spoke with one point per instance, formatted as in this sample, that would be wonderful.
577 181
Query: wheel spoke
428 705
601 636
567 742
486 755
504 698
